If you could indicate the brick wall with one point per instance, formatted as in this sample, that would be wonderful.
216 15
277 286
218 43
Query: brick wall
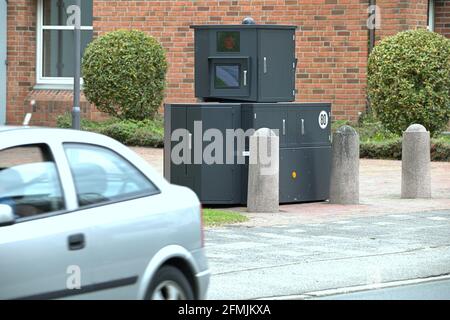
332 50
442 21
21 56
22 73
332 45
442 18
49 104
401 15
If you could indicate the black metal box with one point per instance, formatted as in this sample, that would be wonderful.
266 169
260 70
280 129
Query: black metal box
213 183
253 63
305 148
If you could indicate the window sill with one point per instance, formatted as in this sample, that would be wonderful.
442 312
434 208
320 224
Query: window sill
47 86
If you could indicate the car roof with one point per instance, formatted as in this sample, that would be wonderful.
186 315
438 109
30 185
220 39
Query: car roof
8 128
61 132
10 136
45 134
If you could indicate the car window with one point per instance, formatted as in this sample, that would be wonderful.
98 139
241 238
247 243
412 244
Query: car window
101 175
29 181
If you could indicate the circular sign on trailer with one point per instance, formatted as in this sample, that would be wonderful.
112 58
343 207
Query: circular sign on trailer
323 119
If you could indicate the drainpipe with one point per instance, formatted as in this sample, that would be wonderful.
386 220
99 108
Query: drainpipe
76 78
59 63
372 4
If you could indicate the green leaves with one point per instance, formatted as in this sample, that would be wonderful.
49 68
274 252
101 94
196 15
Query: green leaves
144 133
409 81
124 74
392 149
379 143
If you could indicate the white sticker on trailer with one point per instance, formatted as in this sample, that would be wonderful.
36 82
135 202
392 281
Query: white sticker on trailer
323 120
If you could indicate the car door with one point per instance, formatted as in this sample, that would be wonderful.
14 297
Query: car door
117 198
47 253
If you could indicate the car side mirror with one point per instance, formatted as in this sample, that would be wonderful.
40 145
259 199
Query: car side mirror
6 215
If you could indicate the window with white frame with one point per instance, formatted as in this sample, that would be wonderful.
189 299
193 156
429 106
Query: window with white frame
431 15
55 39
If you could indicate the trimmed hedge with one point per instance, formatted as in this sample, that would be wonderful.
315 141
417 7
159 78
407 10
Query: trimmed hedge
392 150
379 143
150 133
440 150
146 133
409 81
124 74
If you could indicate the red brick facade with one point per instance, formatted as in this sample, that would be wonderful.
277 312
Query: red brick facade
442 18
332 45
401 15
21 57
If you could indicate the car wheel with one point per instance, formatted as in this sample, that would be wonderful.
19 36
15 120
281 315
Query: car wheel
169 283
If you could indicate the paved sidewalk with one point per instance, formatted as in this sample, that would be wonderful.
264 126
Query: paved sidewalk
380 187
152 155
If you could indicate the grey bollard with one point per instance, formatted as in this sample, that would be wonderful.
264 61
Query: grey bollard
264 171
344 187
416 162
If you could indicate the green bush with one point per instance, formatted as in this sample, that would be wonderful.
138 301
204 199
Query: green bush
368 127
124 74
409 81
379 143
392 149
389 149
440 150
145 133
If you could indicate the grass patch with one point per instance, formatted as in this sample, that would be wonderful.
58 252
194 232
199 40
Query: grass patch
215 218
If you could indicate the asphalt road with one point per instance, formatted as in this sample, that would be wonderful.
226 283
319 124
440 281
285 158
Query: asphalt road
435 290
270 262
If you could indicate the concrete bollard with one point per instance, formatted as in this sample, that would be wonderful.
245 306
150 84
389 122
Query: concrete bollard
416 163
264 172
344 188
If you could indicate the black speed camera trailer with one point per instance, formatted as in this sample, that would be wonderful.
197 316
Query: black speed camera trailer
251 62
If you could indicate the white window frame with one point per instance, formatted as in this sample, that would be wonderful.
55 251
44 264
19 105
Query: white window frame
431 15
39 38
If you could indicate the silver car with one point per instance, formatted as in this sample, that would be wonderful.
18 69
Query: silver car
84 217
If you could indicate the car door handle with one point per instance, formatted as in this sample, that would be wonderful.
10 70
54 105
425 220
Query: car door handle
76 242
